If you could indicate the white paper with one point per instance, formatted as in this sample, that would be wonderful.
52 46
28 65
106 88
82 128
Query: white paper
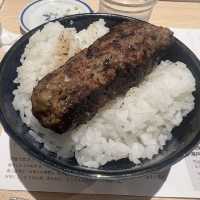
7 38
193 164
18 171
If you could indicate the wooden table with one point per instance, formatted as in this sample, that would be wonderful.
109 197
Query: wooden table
171 14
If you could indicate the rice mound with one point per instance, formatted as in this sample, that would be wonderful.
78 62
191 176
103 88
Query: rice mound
133 126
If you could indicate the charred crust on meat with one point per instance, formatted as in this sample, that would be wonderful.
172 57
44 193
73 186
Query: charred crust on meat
109 67
91 52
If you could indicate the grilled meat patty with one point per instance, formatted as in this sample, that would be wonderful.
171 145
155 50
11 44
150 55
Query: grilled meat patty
73 93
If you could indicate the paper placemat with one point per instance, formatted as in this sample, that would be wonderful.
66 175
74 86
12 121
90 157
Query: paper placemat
18 171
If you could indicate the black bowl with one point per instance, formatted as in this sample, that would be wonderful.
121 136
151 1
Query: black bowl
185 137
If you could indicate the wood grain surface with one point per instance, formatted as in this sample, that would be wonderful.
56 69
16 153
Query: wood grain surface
171 14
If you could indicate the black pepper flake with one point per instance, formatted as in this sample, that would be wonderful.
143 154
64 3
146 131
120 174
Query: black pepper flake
116 44
107 62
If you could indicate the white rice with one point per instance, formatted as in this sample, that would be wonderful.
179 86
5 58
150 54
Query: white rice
133 126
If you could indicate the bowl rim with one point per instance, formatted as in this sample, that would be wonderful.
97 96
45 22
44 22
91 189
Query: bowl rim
22 13
91 173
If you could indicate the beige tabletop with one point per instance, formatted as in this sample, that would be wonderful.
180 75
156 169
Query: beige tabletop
166 13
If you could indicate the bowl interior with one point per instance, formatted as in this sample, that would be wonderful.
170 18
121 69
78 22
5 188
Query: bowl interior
184 137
